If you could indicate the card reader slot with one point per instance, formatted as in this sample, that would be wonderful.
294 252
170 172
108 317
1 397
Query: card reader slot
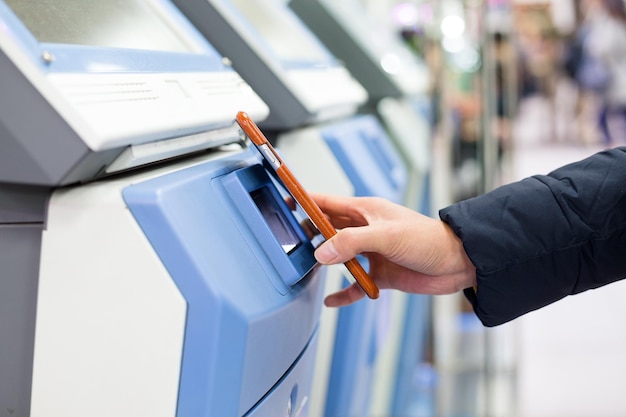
271 223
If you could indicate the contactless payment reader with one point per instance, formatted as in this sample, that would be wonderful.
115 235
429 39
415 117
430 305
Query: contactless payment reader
283 174
294 73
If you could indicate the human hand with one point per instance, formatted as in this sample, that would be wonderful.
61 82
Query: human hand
407 251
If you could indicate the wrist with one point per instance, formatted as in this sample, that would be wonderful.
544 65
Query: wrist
460 263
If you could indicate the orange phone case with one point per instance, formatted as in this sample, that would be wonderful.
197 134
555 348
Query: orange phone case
306 202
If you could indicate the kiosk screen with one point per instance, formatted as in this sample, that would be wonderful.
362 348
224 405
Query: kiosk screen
275 219
134 24
272 25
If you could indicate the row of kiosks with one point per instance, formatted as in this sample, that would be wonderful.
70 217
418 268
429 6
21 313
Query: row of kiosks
149 264
314 121
397 82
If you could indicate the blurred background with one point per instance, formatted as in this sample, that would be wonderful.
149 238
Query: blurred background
511 98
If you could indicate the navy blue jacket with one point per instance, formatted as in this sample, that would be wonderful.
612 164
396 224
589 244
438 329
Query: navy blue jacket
538 240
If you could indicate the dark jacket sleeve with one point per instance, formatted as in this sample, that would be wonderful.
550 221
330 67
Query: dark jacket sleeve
538 240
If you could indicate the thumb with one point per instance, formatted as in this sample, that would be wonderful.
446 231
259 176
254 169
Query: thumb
342 247
327 253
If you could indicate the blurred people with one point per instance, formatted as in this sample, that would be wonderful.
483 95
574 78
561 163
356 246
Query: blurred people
537 43
603 63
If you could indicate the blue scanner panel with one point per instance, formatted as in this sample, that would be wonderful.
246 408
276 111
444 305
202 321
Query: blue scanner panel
264 210
357 343
368 158
354 354
374 167
249 319
294 387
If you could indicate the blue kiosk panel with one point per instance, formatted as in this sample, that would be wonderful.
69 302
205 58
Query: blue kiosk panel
293 387
374 167
368 157
246 270
356 348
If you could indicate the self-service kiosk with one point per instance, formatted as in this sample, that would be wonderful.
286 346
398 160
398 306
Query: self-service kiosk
188 290
352 338
395 78
397 82
150 266
372 52
306 88
294 73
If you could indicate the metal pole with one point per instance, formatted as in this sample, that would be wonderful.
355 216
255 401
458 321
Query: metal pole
488 145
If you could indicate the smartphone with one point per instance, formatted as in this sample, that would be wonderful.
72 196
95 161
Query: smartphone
299 194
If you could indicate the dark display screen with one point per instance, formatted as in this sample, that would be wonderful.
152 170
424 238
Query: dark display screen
276 220
134 24
282 31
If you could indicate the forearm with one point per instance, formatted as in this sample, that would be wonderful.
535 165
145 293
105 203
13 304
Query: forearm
538 240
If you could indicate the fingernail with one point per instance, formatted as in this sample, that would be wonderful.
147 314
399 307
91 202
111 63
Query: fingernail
326 252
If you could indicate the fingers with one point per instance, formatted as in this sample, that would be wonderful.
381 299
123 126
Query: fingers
346 296
341 211
344 214
332 205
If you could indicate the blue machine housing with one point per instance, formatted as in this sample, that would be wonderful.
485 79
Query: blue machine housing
253 307
357 343
366 154
374 167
